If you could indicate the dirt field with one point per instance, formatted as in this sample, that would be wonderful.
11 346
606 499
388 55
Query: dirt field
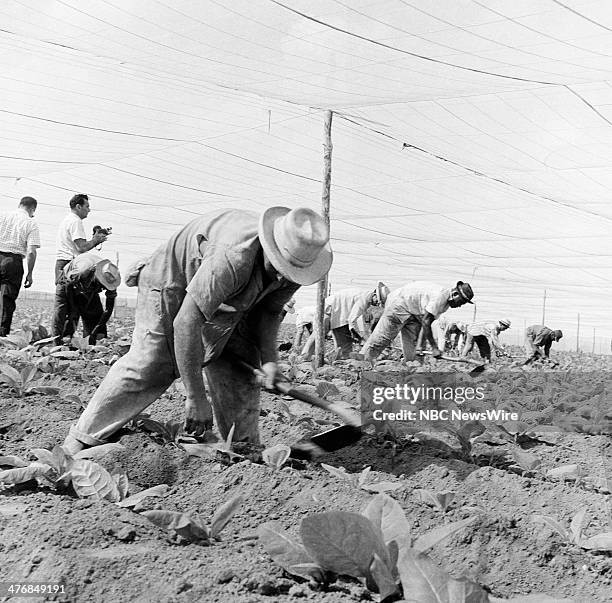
500 479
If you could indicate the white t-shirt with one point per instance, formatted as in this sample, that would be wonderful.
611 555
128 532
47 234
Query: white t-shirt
70 229
418 298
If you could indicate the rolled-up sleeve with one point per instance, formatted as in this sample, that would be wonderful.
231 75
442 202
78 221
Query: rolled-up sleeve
33 239
359 308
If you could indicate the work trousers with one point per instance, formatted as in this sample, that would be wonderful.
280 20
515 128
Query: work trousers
484 347
394 321
70 305
532 349
137 379
11 275
343 341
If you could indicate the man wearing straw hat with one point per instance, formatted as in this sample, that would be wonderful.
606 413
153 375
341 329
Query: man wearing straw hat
77 296
413 308
212 293
343 311
486 336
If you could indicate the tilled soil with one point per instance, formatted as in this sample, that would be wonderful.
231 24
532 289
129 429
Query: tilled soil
106 553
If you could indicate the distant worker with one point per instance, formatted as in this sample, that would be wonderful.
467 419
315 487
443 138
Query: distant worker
304 319
485 335
78 296
408 310
19 238
342 313
71 237
451 334
539 339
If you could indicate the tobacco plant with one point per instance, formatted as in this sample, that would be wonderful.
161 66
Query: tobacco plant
574 535
379 548
361 480
191 528
23 382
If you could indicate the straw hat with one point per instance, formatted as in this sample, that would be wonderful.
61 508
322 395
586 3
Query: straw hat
296 242
108 274
505 322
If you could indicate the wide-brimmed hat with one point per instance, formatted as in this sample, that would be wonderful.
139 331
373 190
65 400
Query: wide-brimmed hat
108 274
296 241
558 334
465 291
382 292
505 322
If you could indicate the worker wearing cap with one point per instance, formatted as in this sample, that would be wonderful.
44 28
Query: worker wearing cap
539 339
211 295
343 311
408 310
486 336
77 296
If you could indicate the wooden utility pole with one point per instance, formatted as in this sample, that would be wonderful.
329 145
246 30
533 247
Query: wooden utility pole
116 264
578 334
319 328
593 350
544 308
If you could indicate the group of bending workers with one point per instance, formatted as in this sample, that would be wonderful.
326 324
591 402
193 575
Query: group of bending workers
410 312
212 297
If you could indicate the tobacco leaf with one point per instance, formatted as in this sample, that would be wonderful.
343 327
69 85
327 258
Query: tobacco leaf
182 524
223 515
91 480
132 501
342 542
287 552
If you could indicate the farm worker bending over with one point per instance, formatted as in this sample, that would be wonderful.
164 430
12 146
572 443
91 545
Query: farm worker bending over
77 295
539 339
342 311
213 292
451 334
410 308
304 319
485 335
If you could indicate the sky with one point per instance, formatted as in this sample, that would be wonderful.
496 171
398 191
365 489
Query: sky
471 139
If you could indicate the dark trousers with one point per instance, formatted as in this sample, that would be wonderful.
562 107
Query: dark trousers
59 268
484 347
11 275
71 305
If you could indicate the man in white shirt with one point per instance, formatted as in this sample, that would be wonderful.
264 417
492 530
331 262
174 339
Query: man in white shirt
451 334
344 312
408 310
71 237
486 336
19 238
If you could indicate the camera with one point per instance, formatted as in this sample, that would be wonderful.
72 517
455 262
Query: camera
105 231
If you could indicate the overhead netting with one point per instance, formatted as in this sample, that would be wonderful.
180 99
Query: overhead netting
471 139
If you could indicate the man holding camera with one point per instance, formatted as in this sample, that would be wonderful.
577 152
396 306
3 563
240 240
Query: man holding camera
78 296
71 237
